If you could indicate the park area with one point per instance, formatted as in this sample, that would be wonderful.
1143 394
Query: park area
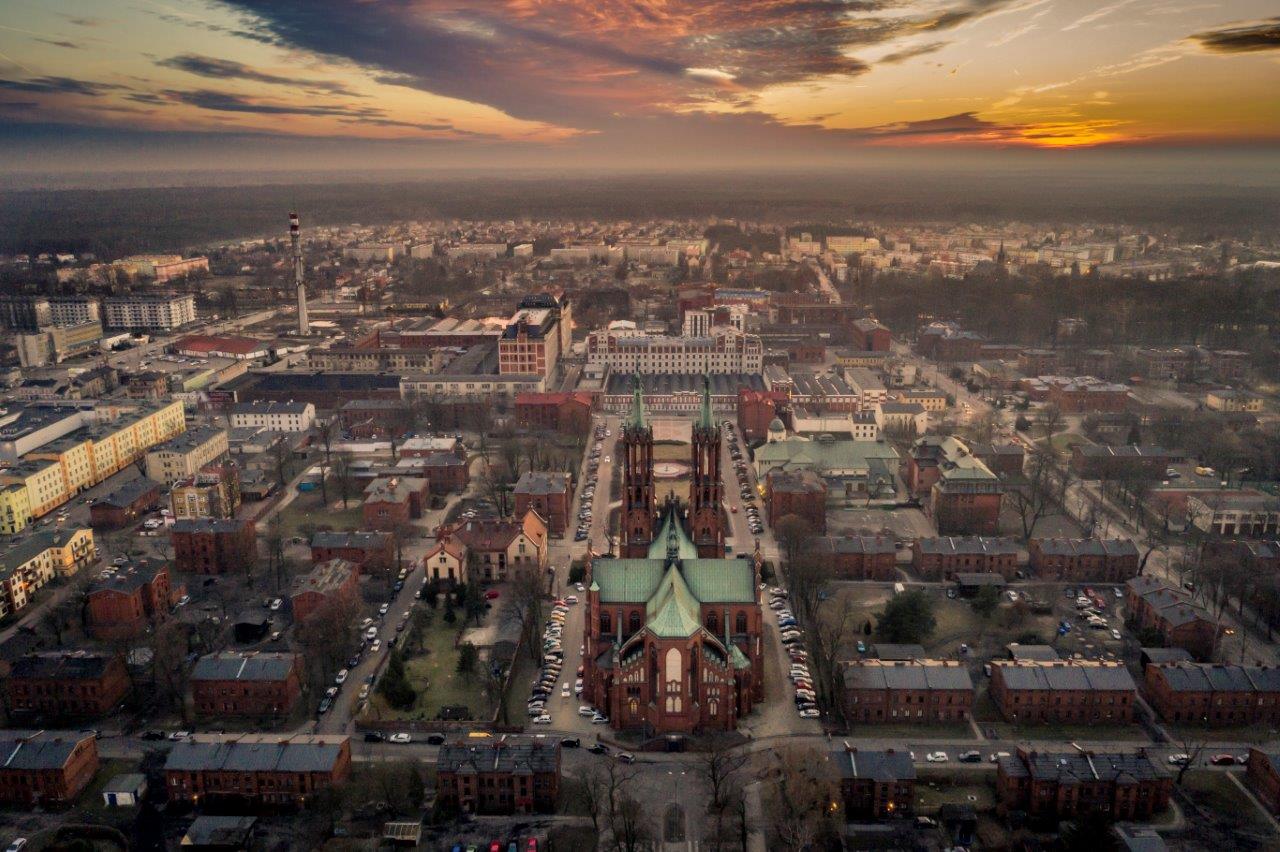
307 513
433 674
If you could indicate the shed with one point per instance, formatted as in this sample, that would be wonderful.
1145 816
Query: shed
125 791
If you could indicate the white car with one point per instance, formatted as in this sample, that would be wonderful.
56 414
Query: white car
364 692
571 600
1179 759
584 710
376 646
276 604
382 610
544 719
810 714
183 601
341 678
1115 634
564 691
400 738
371 633
936 757
599 719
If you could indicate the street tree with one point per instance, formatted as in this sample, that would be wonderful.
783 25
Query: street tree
907 617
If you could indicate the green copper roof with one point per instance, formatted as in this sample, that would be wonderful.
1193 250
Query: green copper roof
738 658
705 420
636 418
720 580
626 580
672 538
673 610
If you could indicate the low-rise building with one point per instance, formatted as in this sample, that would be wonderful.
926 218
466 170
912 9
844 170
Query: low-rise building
131 599
67 684
258 768
1101 461
1072 691
125 505
1240 513
447 561
46 768
212 493
370 550
550 494
943 558
214 545
276 416
802 493
499 549
185 455
392 502
1214 694
29 564
569 413
1152 605
916 691
255 684
1233 400
332 582
860 557
875 784
1063 785
510 775
1086 560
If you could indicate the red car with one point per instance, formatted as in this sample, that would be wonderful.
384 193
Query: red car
1223 760
492 594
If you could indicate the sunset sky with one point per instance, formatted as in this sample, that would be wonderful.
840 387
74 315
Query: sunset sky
626 82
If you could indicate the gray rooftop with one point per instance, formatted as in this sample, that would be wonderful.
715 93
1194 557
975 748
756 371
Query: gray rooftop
915 674
508 755
256 753
34 750
1062 675
885 766
232 665
542 482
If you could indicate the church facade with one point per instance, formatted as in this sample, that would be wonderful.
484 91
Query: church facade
673 630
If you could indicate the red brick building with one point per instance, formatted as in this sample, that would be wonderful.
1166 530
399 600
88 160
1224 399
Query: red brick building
943 558
915 691
1003 460
860 557
129 601
1086 560
1063 691
125 505
569 413
445 473
550 494
1037 362
1262 774
1075 397
875 784
756 410
1062 785
67 684
271 769
246 684
802 493
871 336
1152 605
1217 695
1098 461
370 550
964 495
511 775
47 768
332 581
376 419
214 545
391 502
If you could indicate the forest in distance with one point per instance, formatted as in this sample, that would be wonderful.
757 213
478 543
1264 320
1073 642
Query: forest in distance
115 222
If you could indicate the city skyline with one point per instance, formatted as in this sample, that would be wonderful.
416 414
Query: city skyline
438 83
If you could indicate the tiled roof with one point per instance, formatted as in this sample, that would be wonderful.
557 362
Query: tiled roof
256 753
1087 547
542 482
509 755
350 540
858 544
37 750
884 766
230 665
1036 675
60 665
968 546
1074 767
914 674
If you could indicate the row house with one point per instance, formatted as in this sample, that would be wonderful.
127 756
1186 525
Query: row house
1064 785
919 691
126 601
1084 560
1099 461
333 582
254 684
860 557
214 545
67 684
265 769
569 413
1152 605
510 775
1079 692
1214 694
943 558
46 768
875 784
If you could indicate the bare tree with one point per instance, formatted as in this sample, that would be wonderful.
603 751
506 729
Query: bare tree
1033 500
524 605
799 805
807 577
1051 422
344 477
832 630
794 534
326 431
719 765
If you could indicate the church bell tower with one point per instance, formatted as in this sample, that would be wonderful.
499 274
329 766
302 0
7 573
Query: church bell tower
706 515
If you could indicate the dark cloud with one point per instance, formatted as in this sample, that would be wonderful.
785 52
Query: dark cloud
70 45
57 86
581 62
227 102
1245 38
960 124
912 52
226 69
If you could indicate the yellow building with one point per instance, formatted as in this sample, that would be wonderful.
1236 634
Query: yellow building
933 400
30 564
184 456
74 454
1233 401
43 479
70 549
15 508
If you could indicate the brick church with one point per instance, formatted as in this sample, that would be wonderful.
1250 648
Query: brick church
674 632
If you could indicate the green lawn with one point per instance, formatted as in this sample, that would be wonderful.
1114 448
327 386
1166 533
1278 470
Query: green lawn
935 789
309 509
986 715
1064 441
1216 793
434 675
906 731
1204 733
91 798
